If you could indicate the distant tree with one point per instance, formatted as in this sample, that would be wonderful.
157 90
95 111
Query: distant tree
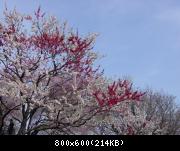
164 108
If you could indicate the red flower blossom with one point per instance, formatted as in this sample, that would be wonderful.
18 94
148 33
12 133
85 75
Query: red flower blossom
112 96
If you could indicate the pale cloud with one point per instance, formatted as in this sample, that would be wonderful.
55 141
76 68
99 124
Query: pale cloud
171 16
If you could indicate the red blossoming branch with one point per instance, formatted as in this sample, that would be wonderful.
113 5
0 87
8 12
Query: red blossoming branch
117 92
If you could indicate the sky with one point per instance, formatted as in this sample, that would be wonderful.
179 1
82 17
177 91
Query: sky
139 38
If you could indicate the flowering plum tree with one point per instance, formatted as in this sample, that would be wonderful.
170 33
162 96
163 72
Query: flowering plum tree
48 78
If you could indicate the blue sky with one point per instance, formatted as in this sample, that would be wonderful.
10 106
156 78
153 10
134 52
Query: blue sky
140 38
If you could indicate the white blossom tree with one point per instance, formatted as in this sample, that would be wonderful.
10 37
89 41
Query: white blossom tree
48 78
32 59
